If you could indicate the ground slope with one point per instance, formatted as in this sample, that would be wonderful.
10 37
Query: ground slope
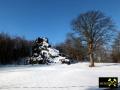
56 77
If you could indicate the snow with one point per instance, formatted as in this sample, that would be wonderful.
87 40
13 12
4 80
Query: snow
53 52
59 58
45 44
56 76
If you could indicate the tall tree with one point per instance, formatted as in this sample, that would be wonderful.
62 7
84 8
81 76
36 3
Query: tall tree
95 28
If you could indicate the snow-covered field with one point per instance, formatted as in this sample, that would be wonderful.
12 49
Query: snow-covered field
56 77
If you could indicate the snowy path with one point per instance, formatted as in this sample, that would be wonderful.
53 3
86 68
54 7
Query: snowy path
56 77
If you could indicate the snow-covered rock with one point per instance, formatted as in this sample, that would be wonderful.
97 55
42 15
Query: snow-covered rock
53 52
45 44
42 51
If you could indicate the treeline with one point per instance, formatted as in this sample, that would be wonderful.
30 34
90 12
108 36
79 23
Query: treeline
73 48
12 49
116 49
76 50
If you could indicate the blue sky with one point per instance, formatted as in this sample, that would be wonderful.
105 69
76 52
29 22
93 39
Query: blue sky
49 18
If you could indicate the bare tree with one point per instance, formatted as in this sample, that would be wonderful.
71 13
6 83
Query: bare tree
95 28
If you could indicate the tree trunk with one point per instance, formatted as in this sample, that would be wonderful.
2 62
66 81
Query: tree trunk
91 55
91 60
